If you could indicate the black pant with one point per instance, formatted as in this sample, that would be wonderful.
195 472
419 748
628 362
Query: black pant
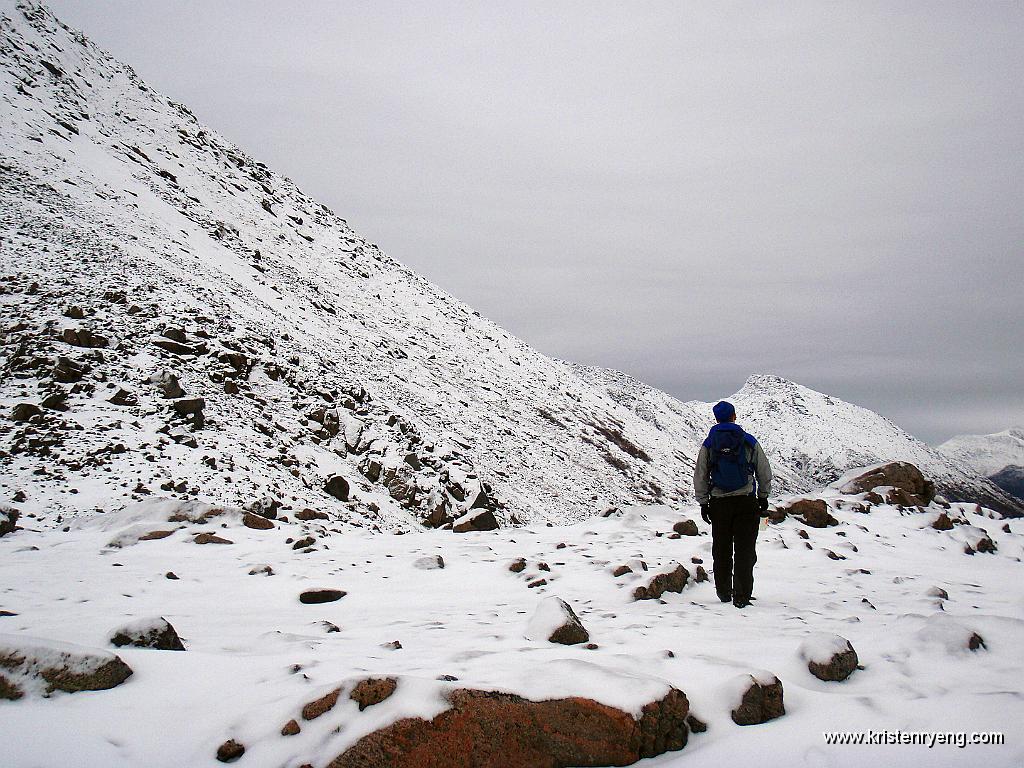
734 521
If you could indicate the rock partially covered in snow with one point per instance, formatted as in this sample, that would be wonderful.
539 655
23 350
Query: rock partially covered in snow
8 520
154 633
668 581
494 729
758 698
429 563
372 691
555 621
476 520
897 475
812 512
31 665
829 657
942 630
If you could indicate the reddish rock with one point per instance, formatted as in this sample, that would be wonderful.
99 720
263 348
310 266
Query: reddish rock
290 728
942 522
622 570
309 514
518 565
812 512
323 705
210 538
671 581
230 751
899 475
249 520
155 535
371 691
483 729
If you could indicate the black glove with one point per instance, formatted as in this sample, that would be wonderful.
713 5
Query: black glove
762 504
705 513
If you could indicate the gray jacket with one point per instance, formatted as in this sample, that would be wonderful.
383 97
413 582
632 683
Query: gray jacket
702 477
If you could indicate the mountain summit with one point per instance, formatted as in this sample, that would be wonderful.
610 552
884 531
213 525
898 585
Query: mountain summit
182 321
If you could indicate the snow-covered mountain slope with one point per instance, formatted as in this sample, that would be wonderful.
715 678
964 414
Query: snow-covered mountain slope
124 218
988 453
811 438
999 456
181 321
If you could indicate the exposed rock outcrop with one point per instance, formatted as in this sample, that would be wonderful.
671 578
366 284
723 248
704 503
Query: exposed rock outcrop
483 729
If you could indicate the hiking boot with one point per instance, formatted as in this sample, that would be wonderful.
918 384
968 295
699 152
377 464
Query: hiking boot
741 602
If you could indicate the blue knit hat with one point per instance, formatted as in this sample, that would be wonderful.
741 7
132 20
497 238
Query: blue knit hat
724 411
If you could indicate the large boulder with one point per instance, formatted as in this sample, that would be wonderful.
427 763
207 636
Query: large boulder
908 486
555 621
759 698
483 729
829 657
672 580
154 633
811 512
31 665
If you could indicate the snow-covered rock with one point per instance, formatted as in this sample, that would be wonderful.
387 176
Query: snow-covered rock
155 632
35 666
829 657
555 621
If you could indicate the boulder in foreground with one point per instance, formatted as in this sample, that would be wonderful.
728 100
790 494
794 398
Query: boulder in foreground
31 665
483 729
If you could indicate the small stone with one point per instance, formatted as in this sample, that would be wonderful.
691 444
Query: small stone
518 565
249 520
321 706
686 528
761 701
290 728
210 538
373 691
316 596
230 751
696 724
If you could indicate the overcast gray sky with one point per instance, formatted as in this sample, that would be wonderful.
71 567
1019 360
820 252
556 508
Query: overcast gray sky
689 192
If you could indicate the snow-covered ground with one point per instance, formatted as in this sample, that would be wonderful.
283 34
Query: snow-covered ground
255 654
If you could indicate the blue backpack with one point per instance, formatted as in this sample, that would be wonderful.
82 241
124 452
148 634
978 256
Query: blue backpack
727 457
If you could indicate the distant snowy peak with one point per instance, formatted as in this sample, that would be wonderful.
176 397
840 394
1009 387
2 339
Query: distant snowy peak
988 454
811 438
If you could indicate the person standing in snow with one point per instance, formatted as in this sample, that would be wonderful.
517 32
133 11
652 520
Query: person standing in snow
732 480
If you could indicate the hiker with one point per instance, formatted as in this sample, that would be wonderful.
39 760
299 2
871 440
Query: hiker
732 481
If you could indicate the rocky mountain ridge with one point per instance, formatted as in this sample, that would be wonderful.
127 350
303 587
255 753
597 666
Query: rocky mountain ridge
180 321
